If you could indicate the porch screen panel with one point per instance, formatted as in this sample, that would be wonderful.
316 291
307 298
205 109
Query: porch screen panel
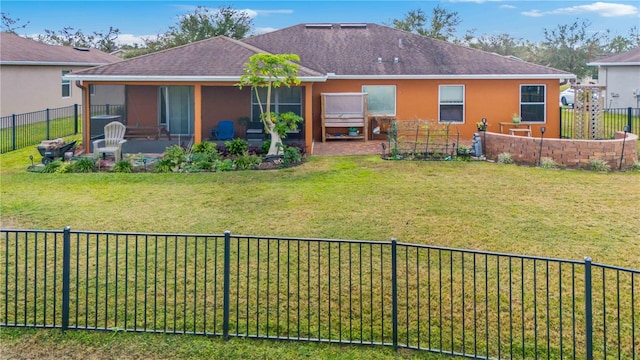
344 104
177 107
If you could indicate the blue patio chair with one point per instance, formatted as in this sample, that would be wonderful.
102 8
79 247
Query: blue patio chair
224 131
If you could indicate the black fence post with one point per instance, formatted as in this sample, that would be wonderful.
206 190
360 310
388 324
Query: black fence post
561 134
588 308
48 125
629 118
108 109
394 292
75 117
225 300
66 264
13 131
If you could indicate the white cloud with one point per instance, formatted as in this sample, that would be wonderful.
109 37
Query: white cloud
533 13
600 8
130 39
506 6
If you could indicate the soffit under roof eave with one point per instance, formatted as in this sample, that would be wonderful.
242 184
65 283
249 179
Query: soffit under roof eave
455 77
137 78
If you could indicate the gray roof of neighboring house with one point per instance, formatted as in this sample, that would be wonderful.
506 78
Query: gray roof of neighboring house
16 50
354 49
218 57
631 57
326 51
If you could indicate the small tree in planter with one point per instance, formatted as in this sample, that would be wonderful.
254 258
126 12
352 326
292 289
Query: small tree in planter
272 71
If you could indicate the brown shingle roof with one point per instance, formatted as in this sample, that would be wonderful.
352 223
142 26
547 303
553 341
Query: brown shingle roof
630 57
219 57
354 50
344 50
16 49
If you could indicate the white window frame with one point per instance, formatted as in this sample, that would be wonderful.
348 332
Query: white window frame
395 95
462 103
543 103
65 83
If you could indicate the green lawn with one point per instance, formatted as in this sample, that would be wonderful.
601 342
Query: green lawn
475 205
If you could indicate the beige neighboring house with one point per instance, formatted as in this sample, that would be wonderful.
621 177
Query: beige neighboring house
31 74
620 74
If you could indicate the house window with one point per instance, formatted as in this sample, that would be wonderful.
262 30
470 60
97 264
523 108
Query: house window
451 103
532 103
66 85
92 89
283 99
381 99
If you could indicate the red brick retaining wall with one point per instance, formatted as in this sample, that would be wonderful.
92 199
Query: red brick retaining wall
572 153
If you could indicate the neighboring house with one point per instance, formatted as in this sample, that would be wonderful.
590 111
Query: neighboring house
31 74
191 88
620 74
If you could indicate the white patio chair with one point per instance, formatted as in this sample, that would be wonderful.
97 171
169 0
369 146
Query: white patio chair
112 142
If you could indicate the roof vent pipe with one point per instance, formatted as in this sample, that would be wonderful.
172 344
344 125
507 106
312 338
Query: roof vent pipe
400 43
395 60
379 60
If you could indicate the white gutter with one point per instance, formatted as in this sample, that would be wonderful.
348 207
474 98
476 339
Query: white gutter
636 63
135 78
49 63
453 77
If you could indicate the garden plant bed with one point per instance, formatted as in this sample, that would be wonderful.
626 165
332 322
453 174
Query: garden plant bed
206 156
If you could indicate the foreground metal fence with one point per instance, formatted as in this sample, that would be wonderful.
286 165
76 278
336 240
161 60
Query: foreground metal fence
450 301
613 119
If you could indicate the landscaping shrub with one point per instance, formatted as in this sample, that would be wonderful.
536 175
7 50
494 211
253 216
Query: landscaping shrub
291 156
548 163
599 165
123 166
52 167
83 165
505 158
247 161
236 147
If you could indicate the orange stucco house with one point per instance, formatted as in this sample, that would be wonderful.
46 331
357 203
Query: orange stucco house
191 88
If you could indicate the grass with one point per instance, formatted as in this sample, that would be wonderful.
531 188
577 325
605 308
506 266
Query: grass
477 205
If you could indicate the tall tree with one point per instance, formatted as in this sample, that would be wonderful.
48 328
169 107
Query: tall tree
570 47
272 71
201 24
205 23
69 36
10 24
442 23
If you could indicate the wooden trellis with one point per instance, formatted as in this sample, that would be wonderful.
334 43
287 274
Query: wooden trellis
587 108
421 139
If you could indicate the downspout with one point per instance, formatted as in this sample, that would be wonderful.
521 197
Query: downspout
308 117
86 115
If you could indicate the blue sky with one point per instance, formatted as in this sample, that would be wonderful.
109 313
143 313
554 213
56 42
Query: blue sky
520 19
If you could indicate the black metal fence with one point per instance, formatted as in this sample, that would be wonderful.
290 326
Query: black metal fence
450 301
21 130
18 131
613 119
